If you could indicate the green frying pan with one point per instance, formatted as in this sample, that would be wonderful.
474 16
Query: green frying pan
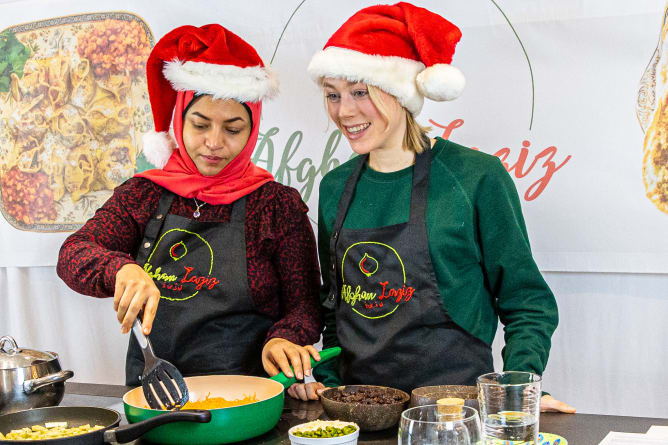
227 424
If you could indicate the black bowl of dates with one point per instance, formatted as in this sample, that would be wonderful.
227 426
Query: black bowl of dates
373 408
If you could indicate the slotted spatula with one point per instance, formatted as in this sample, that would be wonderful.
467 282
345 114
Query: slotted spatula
162 383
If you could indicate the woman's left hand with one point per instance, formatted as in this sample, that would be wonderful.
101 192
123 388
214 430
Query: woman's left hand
550 404
306 391
278 354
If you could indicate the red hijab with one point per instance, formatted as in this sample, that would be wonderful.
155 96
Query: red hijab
236 180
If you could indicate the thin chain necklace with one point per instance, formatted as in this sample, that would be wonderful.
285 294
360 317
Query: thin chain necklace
196 212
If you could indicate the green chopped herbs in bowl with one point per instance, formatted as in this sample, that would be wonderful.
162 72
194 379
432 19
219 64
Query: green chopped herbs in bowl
327 432
324 432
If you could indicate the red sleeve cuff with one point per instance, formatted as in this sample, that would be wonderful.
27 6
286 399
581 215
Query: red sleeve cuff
110 271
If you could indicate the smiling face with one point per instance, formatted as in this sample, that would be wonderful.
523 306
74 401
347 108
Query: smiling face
215 131
351 108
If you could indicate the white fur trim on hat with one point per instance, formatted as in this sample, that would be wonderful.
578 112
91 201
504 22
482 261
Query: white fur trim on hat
251 84
441 82
394 75
157 147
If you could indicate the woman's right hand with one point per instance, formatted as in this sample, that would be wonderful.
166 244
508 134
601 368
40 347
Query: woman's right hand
306 391
135 290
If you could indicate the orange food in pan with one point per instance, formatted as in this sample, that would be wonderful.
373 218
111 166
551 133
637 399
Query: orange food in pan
219 402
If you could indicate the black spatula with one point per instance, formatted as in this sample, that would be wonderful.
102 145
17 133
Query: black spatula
163 384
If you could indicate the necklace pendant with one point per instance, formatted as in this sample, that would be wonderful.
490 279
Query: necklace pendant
196 212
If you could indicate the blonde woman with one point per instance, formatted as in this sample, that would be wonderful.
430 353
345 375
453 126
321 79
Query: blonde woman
422 243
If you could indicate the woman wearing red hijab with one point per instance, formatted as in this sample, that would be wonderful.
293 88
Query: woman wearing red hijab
219 259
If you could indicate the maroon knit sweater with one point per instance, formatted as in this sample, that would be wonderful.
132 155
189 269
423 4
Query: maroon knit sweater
283 272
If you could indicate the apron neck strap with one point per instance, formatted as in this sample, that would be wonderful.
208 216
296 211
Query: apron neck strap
344 203
420 189
165 204
348 192
238 211
154 226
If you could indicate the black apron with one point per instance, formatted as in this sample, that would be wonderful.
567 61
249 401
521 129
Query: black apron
206 321
390 319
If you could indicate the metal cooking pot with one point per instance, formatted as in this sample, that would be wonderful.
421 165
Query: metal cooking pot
28 378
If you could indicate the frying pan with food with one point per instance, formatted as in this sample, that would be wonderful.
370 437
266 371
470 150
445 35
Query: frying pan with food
227 425
81 415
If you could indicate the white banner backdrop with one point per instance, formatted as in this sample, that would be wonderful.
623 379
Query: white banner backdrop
551 89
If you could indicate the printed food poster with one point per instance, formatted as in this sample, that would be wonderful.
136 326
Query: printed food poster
652 110
71 119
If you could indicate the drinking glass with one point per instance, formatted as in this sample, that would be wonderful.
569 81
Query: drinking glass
509 407
429 425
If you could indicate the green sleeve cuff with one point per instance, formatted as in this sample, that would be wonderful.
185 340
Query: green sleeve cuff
327 373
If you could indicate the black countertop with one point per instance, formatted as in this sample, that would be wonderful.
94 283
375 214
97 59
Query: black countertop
578 429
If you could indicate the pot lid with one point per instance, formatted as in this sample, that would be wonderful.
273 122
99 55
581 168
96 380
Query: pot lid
11 356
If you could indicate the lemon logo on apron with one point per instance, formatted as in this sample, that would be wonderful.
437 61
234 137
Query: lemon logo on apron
177 248
177 279
368 265
374 279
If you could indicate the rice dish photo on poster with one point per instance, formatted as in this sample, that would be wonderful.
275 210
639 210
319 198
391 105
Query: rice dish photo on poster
73 105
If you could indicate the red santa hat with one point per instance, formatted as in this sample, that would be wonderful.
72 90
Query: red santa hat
402 49
207 60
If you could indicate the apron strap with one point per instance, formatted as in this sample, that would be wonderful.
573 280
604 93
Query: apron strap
154 226
238 210
348 192
344 204
420 189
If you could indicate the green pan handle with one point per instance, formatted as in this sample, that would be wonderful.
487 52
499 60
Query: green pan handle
325 355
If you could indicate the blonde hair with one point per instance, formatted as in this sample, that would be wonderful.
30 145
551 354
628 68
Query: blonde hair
415 135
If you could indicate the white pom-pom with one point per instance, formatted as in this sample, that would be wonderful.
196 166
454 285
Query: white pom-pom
158 147
441 82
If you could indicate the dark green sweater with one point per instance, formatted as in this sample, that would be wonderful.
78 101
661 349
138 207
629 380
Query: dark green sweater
478 245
